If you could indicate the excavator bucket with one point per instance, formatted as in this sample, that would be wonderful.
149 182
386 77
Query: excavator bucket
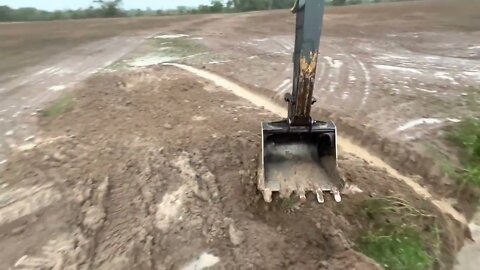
298 161
299 154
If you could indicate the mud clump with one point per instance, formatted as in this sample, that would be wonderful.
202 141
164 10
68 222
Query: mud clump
236 236
94 218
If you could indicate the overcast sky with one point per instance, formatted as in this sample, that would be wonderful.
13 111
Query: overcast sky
74 4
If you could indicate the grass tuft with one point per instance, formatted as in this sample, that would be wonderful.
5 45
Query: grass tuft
392 208
61 106
472 98
178 46
396 249
288 203
398 234
466 135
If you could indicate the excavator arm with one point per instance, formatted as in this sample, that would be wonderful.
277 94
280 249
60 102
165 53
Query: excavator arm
299 154
308 28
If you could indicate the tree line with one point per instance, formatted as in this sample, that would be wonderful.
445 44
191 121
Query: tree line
113 8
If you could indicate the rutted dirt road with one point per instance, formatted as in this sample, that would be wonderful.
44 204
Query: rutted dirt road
154 168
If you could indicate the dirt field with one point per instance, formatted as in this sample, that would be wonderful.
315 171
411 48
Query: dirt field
27 44
148 166
143 172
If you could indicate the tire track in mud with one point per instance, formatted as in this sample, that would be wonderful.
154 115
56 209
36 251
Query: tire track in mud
116 227
367 90
25 201
338 74
366 85
345 144
103 237
285 48
322 80
356 80
346 74
76 247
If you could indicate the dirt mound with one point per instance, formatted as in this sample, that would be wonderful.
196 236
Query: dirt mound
155 169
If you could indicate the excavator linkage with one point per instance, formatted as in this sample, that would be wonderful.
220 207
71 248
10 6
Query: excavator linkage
299 154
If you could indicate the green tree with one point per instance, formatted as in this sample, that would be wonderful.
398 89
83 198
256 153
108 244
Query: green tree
282 4
354 2
25 14
78 14
182 9
203 9
92 12
249 5
110 8
339 2
5 13
216 6
57 15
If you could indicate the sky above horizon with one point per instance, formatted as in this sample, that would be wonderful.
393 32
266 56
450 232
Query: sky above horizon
127 4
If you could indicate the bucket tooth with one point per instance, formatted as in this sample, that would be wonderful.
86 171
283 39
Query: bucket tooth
302 196
267 195
336 195
320 198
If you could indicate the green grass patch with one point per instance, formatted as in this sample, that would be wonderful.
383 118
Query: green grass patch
472 99
466 136
390 209
396 249
160 50
288 203
61 106
399 236
181 47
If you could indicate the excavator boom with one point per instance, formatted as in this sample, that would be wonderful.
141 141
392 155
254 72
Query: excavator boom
299 154
308 29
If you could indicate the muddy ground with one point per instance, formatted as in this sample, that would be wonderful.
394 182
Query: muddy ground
151 169
40 60
146 166
394 85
